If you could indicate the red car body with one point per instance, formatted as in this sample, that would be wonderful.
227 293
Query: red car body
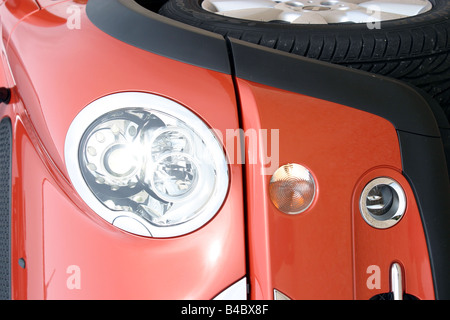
66 251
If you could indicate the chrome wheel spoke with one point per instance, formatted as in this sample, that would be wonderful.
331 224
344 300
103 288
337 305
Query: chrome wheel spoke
359 16
407 8
318 11
309 18
221 6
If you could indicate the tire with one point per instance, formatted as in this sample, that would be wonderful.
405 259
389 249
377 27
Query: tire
414 50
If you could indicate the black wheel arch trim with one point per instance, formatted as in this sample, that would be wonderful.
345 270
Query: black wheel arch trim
421 145
395 101
424 166
391 99
131 23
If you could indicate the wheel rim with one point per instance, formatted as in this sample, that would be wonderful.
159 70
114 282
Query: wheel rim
317 11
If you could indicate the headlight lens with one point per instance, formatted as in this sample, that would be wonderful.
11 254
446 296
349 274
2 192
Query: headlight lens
146 164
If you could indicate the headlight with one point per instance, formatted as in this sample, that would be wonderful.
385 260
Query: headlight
146 164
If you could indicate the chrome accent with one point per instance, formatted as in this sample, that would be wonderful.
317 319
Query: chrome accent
397 281
237 291
278 295
396 208
146 101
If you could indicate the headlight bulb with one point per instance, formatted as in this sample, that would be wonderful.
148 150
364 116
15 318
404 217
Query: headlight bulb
173 176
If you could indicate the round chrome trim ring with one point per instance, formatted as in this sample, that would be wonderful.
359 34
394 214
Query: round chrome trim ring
394 215
121 219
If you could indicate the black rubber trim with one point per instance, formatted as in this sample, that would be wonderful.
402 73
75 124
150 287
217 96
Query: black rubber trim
385 97
442 121
131 23
425 167
5 208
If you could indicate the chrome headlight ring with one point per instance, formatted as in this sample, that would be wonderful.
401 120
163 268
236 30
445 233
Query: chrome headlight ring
146 164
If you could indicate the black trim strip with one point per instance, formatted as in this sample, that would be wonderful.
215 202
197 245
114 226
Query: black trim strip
131 23
395 101
425 167
385 97
5 208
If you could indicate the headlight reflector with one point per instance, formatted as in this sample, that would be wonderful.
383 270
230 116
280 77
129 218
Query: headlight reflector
146 164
